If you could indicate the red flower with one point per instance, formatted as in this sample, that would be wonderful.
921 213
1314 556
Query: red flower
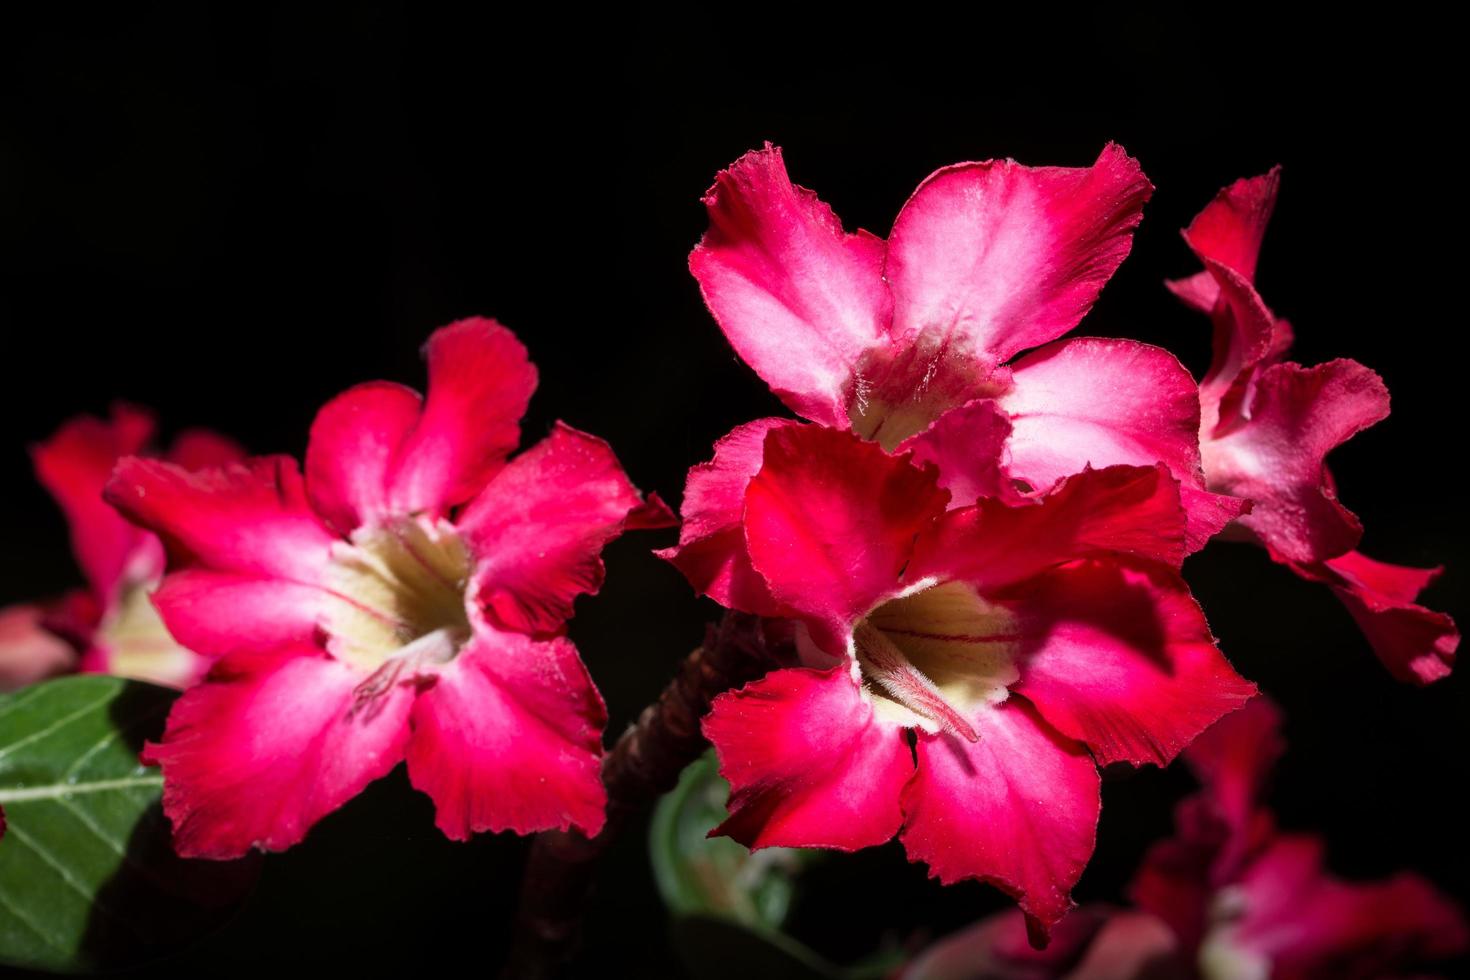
1249 901
111 623
918 342
1267 426
1227 898
1006 637
406 599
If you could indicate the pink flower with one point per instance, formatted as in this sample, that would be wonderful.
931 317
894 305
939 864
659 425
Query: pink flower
405 600
1227 898
1248 901
111 623
957 665
920 342
1267 426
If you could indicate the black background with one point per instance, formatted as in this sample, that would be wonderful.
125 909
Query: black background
230 217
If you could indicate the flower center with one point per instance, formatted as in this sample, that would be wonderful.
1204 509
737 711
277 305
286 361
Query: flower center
931 658
403 581
894 395
136 642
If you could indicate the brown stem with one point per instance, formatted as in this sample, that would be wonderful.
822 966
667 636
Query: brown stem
645 763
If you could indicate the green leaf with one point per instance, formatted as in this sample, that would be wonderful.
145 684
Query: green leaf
88 876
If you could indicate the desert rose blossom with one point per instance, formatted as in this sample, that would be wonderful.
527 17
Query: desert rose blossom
943 339
109 627
1229 897
404 600
1267 426
963 671
1251 901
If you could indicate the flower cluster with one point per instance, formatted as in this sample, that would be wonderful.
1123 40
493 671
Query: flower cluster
979 531
970 543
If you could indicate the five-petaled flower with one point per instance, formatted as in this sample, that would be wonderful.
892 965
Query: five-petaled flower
943 339
957 664
109 627
406 599
1267 426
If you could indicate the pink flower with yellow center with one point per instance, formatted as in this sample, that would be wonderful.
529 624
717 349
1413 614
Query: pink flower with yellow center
110 627
404 600
963 670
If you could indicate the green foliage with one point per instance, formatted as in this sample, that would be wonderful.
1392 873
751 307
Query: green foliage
88 876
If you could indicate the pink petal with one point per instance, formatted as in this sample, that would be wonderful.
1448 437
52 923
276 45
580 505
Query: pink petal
1017 809
1090 402
1307 924
480 381
267 745
74 465
1120 658
28 651
539 527
354 440
1230 228
798 298
1416 644
997 257
830 521
968 445
1130 510
217 613
1233 759
251 518
809 764
711 551
196 449
1277 459
510 738
997 948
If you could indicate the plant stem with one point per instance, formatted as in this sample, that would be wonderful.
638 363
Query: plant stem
645 763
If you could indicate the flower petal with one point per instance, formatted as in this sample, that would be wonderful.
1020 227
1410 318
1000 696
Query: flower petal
968 445
354 440
196 449
798 298
830 521
809 764
217 613
1091 402
480 382
267 745
1230 228
1278 458
711 551
1416 644
251 518
539 527
28 651
1121 510
510 738
1018 809
998 257
1120 658
1305 923
74 465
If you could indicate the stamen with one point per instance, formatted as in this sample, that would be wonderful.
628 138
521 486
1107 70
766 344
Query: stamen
887 665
